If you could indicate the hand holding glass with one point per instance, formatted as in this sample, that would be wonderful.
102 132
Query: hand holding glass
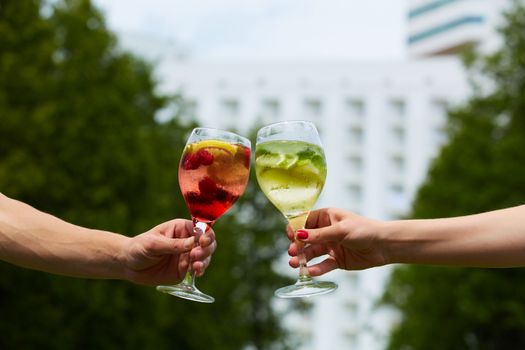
291 171
213 173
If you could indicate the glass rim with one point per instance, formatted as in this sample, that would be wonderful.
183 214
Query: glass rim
243 139
290 122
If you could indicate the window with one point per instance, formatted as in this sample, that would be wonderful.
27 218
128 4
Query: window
398 135
356 136
355 109
312 108
396 189
356 194
356 165
398 163
397 198
397 110
445 27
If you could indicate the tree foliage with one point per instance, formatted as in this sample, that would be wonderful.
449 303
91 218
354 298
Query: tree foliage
79 139
482 168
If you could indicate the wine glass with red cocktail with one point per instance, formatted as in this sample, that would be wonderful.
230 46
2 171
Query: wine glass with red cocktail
213 173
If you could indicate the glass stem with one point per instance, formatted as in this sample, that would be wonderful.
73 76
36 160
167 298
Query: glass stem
198 230
298 222
304 275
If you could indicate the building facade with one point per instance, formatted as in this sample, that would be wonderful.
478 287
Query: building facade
445 27
380 124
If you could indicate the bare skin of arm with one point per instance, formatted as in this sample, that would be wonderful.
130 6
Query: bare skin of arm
353 242
32 239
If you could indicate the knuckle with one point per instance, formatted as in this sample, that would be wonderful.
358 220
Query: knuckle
149 244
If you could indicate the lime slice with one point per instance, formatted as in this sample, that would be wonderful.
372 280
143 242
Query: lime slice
277 178
267 160
288 161
273 160
228 147
308 167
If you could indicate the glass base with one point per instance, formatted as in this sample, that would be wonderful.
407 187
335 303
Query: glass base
305 287
186 291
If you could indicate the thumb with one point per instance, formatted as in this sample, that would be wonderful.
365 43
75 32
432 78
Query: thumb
321 235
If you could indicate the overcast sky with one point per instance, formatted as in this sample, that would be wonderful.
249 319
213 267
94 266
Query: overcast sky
268 30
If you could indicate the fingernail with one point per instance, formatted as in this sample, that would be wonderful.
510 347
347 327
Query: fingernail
189 242
302 234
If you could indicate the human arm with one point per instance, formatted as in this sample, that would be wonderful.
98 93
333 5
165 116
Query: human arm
491 239
36 240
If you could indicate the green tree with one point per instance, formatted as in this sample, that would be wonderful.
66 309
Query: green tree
79 139
482 168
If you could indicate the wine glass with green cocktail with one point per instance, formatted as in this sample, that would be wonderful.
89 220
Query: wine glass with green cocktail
291 170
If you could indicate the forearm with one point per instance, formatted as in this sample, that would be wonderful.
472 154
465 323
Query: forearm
36 240
492 239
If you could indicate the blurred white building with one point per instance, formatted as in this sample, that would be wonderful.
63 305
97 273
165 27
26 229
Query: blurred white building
381 124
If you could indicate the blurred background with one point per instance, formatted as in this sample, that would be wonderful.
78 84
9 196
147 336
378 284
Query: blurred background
421 109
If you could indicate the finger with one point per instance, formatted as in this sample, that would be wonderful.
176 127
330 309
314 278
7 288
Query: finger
182 228
200 266
207 238
176 228
295 247
163 245
294 262
314 251
310 252
323 267
313 218
292 249
201 253
333 233
325 217
182 264
290 232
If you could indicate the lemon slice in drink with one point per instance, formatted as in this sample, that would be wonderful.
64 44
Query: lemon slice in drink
214 144
227 168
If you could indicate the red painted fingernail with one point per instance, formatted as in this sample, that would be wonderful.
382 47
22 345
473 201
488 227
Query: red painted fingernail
302 234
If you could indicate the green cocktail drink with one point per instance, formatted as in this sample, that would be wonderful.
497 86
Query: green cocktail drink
291 171
291 174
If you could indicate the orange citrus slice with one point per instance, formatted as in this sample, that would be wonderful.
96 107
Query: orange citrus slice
231 148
